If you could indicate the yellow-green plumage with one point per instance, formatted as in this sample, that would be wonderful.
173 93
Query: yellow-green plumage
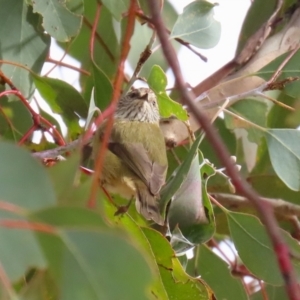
135 163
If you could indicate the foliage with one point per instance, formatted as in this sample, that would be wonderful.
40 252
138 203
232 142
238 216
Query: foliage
54 247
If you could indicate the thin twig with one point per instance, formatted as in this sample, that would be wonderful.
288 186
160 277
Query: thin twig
265 210
94 30
100 40
20 224
276 102
180 41
52 153
282 65
63 56
63 64
37 119
143 58
28 134
280 206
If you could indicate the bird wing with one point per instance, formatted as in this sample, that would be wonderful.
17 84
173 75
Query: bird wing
136 157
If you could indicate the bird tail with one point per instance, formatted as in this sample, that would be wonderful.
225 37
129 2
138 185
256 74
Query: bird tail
146 204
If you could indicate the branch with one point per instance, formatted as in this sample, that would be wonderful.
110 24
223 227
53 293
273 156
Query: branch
38 120
265 210
280 206
53 153
63 64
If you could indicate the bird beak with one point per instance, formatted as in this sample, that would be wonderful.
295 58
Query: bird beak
144 97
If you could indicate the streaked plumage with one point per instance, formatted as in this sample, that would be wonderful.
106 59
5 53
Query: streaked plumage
136 163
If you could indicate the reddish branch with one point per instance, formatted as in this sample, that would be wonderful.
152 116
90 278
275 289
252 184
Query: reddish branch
265 211
63 64
100 40
116 95
61 59
38 120
17 224
94 30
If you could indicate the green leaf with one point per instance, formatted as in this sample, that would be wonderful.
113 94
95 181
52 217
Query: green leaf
169 275
272 292
90 264
228 138
229 287
22 42
23 181
251 110
17 119
178 285
117 7
289 68
157 81
142 35
278 116
25 184
179 175
131 226
63 99
197 25
63 175
58 20
106 47
263 176
262 183
190 212
255 249
103 88
69 217
20 251
38 286
284 153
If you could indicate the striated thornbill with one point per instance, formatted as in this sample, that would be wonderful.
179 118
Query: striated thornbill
136 163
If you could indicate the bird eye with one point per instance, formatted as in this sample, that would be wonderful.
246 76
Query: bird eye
134 94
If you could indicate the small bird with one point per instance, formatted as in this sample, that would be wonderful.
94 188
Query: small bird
135 163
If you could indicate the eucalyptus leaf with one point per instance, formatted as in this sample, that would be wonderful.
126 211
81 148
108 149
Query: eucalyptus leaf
103 88
22 42
288 70
197 25
253 115
77 264
106 46
248 233
20 251
142 35
177 283
229 287
29 191
178 176
63 98
272 292
117 7
58 20
190 214
283 146
31 187
157 81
